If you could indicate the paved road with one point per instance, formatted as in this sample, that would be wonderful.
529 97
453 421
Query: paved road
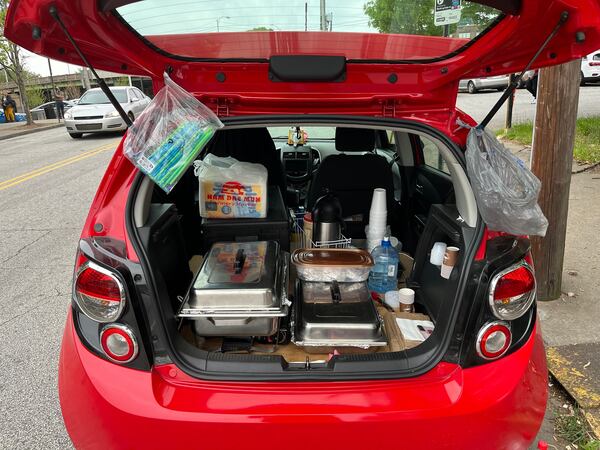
47 181
478 105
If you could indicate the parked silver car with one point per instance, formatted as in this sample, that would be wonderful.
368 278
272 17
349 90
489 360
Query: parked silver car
94 112
474 85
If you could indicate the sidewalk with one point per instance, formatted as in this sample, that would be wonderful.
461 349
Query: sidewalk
14 129
571 324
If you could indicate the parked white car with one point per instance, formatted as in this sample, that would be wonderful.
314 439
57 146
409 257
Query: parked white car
95 114
590 68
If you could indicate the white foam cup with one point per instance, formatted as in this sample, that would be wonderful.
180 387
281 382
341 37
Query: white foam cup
378 203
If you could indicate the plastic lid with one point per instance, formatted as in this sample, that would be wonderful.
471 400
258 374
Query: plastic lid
386 242
329 257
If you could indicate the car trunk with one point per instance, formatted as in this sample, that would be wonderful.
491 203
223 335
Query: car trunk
176 241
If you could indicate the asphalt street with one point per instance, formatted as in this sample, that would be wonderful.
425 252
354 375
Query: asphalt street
47 181
477 105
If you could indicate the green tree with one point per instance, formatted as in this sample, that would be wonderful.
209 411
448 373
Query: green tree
12 60
416 16
261 29
35 96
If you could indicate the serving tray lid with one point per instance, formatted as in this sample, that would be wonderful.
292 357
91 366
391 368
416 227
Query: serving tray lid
332 257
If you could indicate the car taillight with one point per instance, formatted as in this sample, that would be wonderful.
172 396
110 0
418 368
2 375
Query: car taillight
512 291
99 292
595 64
119 343
493 340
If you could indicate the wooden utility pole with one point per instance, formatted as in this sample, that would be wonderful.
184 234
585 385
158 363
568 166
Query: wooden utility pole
551 161
509 105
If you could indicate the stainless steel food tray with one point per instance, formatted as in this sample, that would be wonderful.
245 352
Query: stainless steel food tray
351 320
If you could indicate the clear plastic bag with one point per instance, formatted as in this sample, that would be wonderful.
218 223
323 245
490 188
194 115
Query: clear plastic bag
506 191
231 189
169 134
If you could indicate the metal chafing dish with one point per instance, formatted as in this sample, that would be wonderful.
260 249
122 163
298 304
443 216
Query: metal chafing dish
240 290
336 315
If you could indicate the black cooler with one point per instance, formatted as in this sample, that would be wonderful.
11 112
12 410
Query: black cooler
274 227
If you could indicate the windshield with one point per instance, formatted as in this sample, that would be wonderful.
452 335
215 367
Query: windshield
373 29
99 97
312 133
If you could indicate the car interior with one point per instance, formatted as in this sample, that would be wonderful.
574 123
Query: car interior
428 200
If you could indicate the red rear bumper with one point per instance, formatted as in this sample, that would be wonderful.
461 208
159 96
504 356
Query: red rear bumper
496 406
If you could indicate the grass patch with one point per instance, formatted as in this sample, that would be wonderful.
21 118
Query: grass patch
573 428
587 138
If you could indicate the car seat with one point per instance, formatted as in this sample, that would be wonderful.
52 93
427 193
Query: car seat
353 177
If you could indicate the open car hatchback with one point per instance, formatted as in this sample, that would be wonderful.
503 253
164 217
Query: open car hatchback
333 98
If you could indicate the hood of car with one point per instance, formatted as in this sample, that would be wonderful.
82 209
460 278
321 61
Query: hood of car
372 57
91 110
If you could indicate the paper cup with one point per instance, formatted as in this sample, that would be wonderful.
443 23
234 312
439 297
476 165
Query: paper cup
437 253
451 256
450 260
378 203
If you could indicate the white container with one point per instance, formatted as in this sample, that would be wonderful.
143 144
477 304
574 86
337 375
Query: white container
437 253
406 299
231 189
392 299
406 296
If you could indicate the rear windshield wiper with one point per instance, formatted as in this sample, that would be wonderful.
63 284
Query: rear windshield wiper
54 13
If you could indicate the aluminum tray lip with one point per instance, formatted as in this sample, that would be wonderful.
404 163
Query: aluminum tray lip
381 342
233 313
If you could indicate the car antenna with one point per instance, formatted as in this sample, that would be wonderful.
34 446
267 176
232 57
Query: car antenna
516 81
99 80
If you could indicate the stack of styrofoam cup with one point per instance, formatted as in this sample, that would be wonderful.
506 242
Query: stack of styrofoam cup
377 228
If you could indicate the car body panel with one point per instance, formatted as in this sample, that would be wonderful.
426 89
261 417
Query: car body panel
499 405
110 45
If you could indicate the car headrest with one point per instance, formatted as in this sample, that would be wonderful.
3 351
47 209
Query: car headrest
354 139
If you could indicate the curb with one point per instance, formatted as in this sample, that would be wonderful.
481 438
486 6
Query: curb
30 131
569 367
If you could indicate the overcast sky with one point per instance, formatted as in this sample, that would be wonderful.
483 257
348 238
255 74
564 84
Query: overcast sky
39 65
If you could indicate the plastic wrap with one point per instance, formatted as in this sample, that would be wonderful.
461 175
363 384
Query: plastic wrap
169 134
231 189
506 191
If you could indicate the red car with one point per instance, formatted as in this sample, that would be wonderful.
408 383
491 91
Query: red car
376 86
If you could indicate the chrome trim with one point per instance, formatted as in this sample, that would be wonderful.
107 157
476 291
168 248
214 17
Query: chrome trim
494 282
125 329
482 332
123 295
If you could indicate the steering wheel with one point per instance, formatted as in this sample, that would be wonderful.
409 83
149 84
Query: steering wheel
310 170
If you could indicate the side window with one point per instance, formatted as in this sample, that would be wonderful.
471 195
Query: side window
433 157
133 95
139 93
596 57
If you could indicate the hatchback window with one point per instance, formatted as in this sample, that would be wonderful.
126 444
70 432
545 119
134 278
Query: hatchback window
99 97
395 29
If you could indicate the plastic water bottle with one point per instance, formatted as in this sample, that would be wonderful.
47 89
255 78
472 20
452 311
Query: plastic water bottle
384 275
